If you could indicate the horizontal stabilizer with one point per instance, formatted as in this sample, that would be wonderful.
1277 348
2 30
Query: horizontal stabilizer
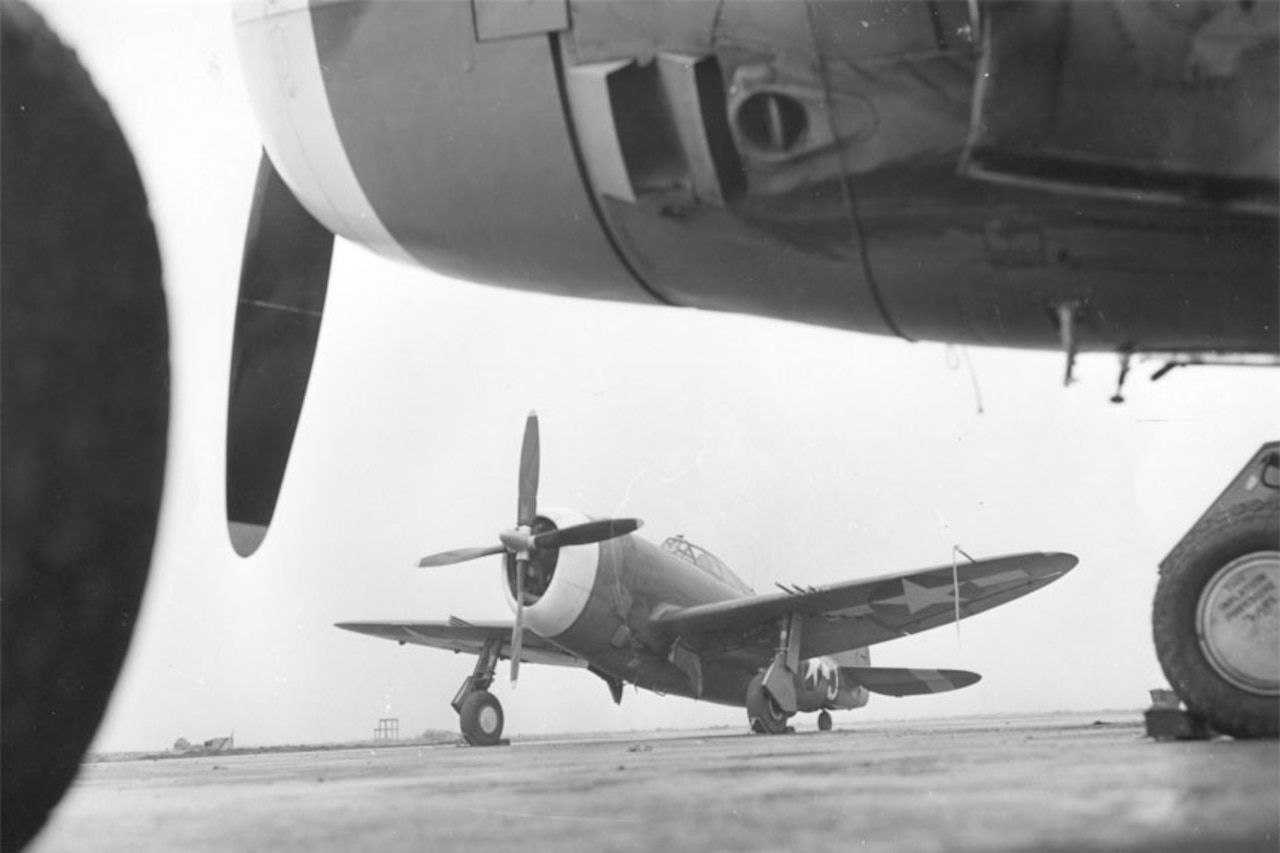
892 681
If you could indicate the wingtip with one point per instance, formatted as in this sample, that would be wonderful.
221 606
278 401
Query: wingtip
1067 560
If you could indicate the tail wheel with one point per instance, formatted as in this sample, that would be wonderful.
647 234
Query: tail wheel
824 721
481 718
763 712
1217 621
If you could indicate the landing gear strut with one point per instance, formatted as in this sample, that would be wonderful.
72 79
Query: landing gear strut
771 694
479 711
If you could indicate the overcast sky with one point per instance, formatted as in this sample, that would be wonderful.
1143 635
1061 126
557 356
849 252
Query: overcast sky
798 455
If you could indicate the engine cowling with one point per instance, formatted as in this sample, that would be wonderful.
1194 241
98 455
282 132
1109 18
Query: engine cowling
712 155
563 599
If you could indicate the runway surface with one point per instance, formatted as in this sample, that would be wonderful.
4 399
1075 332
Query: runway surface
1064 782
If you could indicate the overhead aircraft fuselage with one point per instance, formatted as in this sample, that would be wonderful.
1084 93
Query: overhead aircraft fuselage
909 169
1083 176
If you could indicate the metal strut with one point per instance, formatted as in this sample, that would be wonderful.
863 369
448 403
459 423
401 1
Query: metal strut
1118 397
1068 313
779 678
482 676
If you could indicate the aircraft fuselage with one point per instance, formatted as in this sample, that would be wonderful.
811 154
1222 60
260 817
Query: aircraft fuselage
837 163
600 604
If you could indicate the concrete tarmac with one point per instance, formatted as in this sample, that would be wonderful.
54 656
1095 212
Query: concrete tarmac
1063 782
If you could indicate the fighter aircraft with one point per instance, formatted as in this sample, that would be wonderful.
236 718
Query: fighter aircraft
675 619
1092 177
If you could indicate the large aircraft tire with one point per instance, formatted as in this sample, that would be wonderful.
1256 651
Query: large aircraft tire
481 718
85 379
764 714
1217 620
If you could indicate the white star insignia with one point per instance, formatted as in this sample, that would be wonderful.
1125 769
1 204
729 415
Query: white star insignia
817 669
916 598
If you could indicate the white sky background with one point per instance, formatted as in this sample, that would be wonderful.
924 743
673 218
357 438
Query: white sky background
797 454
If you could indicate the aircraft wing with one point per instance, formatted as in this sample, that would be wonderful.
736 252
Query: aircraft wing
470 637
865 612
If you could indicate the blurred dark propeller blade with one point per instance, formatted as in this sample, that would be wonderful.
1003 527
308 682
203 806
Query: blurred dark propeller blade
284 275
584 534
517 633
449 558
527 508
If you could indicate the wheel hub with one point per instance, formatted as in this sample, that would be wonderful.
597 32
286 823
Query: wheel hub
488 719
1238 622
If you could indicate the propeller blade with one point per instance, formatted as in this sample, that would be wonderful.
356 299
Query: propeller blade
527 509
517 633
284 274
584 534
462 555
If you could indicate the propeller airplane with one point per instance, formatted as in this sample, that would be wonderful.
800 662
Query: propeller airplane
1086 177
676 620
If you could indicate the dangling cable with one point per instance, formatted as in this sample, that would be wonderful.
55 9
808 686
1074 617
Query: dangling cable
973 378
953 363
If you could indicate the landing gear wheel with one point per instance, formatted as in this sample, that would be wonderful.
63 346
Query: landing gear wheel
824 721
1217 621
85 382
481 718
765 715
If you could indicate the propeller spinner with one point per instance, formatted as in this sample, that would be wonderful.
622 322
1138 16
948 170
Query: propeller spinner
521 541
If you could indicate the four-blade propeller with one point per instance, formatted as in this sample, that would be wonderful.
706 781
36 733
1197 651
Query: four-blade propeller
521 541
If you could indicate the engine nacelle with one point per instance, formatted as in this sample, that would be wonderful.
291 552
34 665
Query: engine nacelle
565 590
713 155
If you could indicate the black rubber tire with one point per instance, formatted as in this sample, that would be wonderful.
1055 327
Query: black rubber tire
85 379
481 718
763 713
824 721
1244 529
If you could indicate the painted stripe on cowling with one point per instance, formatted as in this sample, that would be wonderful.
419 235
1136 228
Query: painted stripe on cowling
462 148
278 54
571 586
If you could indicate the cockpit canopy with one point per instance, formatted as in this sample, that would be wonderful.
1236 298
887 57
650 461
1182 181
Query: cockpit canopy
704 560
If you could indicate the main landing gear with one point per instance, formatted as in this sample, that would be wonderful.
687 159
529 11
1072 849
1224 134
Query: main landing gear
771 694
479 711
1217 608
766 716
481 718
